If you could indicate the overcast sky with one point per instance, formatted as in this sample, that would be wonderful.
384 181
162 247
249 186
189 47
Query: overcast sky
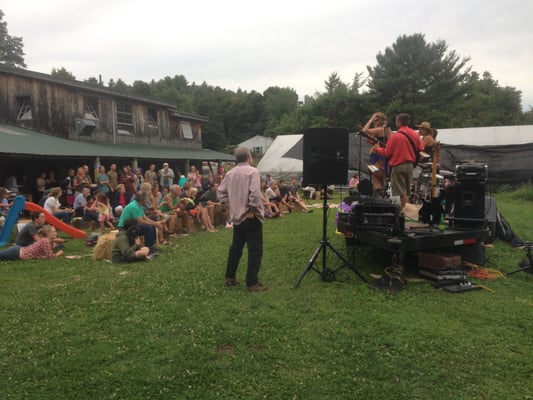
253 45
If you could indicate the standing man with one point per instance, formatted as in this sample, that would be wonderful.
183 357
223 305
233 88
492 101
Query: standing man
166 176
401 151
150 175
112 176
241 188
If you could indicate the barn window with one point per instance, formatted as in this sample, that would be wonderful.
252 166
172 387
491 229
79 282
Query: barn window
186 130
90 107
151 118
124 118
24 113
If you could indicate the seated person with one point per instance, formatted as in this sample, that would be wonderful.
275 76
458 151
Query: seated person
311 192
292 196
85 208
4 205
127 247
174 206
28 234
354 181
53 206
202 214
213 204
271 208
42 248
135 210
120 199
153 212
273 194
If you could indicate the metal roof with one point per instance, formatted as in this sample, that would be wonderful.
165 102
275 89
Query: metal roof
15 140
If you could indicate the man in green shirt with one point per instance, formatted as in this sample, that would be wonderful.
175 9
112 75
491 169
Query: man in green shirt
135 210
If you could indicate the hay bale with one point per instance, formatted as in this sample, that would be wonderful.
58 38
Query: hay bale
102 250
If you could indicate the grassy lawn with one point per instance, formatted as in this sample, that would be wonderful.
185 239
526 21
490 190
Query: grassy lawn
168 329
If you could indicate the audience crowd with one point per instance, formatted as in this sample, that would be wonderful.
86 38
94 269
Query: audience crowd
156 205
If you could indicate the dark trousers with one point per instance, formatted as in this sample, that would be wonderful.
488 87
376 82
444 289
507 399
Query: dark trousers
249 232
148 231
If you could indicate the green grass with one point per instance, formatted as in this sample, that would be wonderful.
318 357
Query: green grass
168 329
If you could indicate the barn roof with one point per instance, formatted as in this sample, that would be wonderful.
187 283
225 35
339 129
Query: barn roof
20 141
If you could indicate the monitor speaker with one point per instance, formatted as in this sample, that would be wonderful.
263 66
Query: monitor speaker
469 204
325 156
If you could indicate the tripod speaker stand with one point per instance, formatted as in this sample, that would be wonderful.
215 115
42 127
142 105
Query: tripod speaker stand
325 160
325 273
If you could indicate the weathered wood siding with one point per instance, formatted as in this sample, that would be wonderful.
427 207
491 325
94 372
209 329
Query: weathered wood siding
56 107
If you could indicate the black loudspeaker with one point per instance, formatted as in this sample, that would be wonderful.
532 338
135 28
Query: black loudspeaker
469 205
325 156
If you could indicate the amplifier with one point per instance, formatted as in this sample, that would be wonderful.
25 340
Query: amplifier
471 172
377 215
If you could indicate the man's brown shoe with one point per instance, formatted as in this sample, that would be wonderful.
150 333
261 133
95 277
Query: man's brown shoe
231 282
256 288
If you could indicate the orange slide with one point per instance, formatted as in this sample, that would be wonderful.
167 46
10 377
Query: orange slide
68 229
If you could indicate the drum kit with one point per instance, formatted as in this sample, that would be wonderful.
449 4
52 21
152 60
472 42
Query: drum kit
421 186
422 181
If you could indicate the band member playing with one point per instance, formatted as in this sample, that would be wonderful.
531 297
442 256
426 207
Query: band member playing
378 129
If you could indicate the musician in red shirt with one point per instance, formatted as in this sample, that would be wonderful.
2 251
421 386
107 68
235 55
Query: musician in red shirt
401 151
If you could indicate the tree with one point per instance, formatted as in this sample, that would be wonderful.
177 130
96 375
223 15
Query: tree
423 79
63 73
11 52
277 102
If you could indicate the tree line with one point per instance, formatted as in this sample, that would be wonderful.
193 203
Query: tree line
425 79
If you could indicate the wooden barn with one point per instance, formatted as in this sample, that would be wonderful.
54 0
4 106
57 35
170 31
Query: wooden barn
44 117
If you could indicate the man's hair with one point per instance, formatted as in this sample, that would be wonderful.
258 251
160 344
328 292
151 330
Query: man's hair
146 186
242 154
35 215
403 119
141 196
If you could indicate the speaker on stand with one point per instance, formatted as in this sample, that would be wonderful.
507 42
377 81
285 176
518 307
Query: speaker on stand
325 162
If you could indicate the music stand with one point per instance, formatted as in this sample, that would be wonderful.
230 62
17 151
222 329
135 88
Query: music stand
326 274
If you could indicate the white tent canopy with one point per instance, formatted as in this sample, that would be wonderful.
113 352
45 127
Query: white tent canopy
487 136
280 165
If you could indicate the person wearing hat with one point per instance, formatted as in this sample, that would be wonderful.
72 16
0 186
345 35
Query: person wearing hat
166 176
425 130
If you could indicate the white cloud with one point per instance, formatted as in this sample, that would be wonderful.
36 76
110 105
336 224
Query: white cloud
254 45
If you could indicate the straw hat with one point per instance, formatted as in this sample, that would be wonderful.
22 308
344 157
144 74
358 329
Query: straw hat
426 126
